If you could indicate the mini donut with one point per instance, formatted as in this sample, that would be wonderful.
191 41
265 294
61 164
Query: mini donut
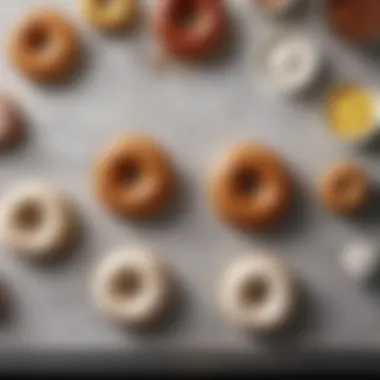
10 122
36 221
133 177
250 187
258 293
109 15
344 188
190 28
132 288
44 46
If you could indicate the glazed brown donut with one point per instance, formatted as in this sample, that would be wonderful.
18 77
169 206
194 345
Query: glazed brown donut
134 177
11 127
344 188
358 21
250 187
190 28
44 46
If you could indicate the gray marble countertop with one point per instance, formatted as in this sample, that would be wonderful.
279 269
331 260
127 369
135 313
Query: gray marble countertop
195 112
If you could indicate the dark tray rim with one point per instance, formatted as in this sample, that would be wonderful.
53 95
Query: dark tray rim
188 361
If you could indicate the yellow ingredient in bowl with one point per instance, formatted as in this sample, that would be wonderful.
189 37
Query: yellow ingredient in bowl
351 111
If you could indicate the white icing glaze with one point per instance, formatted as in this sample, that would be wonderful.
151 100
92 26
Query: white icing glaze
275 306
54 223
147 301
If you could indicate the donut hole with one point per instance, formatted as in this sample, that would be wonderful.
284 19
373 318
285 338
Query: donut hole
29 216
254 292
128 173
37 38
126 284
247 182
185 13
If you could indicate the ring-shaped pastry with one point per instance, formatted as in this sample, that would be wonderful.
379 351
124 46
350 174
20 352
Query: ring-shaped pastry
344 188
132 288
37 220
133 177
191 28
250 187
44 46
258 294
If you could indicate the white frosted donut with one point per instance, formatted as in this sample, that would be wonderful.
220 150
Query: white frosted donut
257 293
36 220
132 287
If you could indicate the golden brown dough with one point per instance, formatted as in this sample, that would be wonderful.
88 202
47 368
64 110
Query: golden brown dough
250 187
134 177
44 46
344 188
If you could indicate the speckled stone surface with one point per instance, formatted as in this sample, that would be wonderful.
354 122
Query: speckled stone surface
195 112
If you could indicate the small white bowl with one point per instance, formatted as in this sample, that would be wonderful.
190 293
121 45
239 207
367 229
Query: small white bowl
360 260
291 62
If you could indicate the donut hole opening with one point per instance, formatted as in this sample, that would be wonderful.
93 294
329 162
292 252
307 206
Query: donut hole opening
126 284
38 38
254 292
247 182
185 13
29 217
129 173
